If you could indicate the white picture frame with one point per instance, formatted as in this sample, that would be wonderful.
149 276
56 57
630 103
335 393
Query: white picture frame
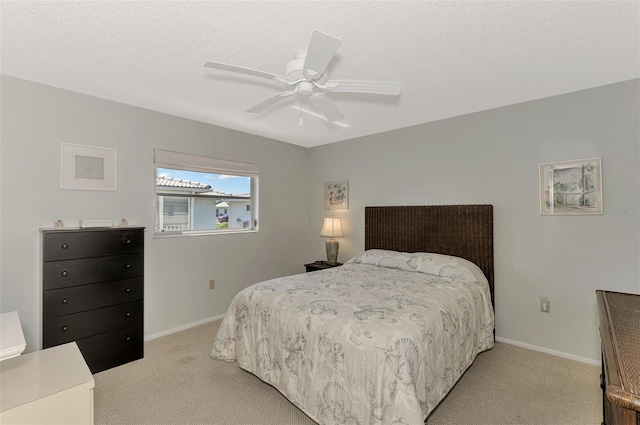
571 187
336 195
87 167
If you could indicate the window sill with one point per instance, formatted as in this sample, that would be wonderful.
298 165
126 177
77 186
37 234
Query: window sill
163 235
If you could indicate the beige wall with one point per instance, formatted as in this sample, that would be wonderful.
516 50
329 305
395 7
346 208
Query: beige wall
36 119
487 157
492 157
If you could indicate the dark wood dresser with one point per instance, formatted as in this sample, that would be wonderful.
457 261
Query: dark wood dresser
619 316
93 293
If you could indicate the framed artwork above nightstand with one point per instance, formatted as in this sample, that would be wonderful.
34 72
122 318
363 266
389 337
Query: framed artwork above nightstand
320 265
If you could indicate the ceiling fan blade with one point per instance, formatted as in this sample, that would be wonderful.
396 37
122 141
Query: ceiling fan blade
321 50
391 88
326 107
247 71
271 101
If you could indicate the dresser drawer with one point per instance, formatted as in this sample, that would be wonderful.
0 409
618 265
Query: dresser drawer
74 299
58 330
64 244
114 348
61 274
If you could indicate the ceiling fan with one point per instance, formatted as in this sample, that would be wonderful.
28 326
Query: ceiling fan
306 74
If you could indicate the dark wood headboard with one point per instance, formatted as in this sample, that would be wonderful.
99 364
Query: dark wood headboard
462 230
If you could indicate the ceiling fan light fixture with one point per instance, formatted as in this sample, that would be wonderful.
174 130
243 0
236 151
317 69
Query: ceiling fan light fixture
306 88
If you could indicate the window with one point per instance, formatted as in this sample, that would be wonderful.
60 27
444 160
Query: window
204 195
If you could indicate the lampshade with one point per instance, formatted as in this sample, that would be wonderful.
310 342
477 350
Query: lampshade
332 227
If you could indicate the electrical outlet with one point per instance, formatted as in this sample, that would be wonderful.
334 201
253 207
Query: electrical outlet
545 304
212 284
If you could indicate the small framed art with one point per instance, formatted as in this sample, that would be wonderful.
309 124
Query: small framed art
336 195
571 187
87 167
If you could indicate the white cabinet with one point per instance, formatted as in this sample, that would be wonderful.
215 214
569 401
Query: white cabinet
11 338
52 386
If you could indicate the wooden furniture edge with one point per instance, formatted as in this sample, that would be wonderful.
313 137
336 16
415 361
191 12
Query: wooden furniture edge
613 385
622 398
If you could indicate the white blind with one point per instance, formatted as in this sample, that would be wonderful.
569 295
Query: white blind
206 164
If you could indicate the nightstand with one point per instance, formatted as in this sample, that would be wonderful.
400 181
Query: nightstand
51 386
320 265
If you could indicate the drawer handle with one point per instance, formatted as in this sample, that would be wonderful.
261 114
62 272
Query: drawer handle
64 246
128 266
64 301
64 328
128 339
64 273
128 290
128 314
129 241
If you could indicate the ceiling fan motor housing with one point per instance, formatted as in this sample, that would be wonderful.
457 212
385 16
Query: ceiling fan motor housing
293 70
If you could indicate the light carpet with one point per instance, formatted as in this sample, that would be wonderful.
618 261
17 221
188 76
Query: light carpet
178 383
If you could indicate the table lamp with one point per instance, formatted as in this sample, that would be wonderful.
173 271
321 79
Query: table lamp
332 228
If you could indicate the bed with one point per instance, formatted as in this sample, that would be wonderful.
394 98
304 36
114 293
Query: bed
383 338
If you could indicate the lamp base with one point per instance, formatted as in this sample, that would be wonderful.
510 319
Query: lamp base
332 247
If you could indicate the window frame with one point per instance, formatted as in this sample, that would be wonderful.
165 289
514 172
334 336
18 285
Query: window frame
164 159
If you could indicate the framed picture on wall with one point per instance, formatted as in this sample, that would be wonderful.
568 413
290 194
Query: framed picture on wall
336 195
87 167
571 187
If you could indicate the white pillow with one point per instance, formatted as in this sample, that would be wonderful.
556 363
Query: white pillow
447 266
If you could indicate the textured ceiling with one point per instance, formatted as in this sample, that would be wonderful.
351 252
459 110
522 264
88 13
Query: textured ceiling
453 57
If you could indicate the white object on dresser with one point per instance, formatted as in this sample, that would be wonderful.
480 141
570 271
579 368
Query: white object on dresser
87 224
11 337
52 386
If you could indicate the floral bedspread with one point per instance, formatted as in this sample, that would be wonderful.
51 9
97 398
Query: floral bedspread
379 340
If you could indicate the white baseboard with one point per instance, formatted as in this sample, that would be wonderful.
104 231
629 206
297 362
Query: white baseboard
499 339
183 327
548 351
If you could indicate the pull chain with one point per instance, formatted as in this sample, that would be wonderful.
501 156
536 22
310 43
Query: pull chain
300 110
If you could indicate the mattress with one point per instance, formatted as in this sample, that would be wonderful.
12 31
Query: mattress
379 340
